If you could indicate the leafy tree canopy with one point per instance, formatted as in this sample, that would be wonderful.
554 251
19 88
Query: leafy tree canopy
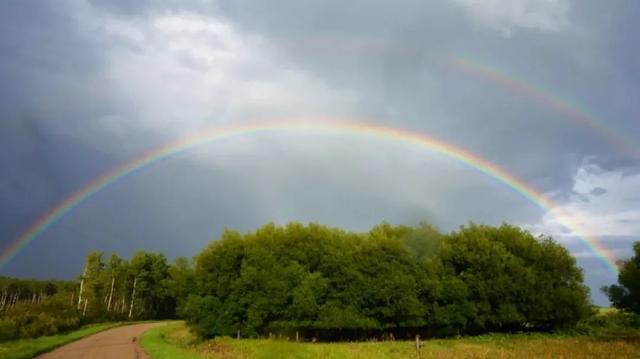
626 294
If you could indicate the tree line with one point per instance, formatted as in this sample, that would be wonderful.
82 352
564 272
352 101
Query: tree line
313 281
117 289
327 283
15 291
108 289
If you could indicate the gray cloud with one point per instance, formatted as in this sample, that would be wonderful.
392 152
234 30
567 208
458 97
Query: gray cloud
88 84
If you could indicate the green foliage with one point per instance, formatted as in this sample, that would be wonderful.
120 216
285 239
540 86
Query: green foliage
145 286
104 292
152 273
608 324
626 294
31 308
181 282
514 280
326 282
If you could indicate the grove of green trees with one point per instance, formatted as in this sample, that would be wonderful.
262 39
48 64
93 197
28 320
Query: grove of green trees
113 289
398 281
626 294
314 281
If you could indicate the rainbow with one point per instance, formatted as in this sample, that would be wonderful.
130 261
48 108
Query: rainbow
348 127
570 111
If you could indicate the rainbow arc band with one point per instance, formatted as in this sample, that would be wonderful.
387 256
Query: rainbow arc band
569 111
337 126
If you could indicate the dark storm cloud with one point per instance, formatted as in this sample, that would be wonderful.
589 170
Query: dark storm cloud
393 56
47 69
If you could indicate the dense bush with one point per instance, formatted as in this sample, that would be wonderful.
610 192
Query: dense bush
626 294
394 280
27 320
609 323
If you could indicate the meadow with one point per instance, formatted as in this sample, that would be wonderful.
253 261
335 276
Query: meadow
175 341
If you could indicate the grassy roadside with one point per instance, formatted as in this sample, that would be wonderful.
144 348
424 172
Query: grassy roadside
169 342
175 341
28 348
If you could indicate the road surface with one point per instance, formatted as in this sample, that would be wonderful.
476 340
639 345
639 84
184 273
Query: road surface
116 343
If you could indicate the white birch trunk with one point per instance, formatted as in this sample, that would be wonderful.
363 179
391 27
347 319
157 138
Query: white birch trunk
113 282
84 273
133 297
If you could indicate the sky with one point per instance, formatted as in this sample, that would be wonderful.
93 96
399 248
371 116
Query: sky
545 89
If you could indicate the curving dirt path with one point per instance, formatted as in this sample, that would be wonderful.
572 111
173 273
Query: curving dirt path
116 343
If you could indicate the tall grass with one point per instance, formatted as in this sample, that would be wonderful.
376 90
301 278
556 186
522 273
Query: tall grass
165 343
175 341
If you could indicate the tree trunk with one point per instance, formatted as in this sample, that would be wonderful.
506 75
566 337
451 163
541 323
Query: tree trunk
113 282
84 272
133 297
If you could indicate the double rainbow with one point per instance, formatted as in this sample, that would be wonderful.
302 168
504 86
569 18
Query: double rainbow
569 111
348 127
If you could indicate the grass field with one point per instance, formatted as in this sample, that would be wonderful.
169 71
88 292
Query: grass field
606 310
175 341
28 348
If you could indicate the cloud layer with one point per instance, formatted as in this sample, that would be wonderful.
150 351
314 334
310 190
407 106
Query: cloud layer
88 85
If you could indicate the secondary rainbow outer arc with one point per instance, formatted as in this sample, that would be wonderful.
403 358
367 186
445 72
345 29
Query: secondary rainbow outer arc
544 97
341 127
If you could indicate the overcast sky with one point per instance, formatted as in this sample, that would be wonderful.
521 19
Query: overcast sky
87 85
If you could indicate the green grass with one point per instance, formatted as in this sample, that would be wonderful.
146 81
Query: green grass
606 310
171 341
28 348
175 341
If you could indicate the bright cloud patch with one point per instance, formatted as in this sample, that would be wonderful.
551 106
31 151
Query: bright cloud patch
605 204
504 15
180 72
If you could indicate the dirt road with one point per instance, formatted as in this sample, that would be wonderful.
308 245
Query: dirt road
117 343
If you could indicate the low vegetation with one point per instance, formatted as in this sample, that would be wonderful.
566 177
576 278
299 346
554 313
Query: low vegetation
173 341
29 348
177 342
30 308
